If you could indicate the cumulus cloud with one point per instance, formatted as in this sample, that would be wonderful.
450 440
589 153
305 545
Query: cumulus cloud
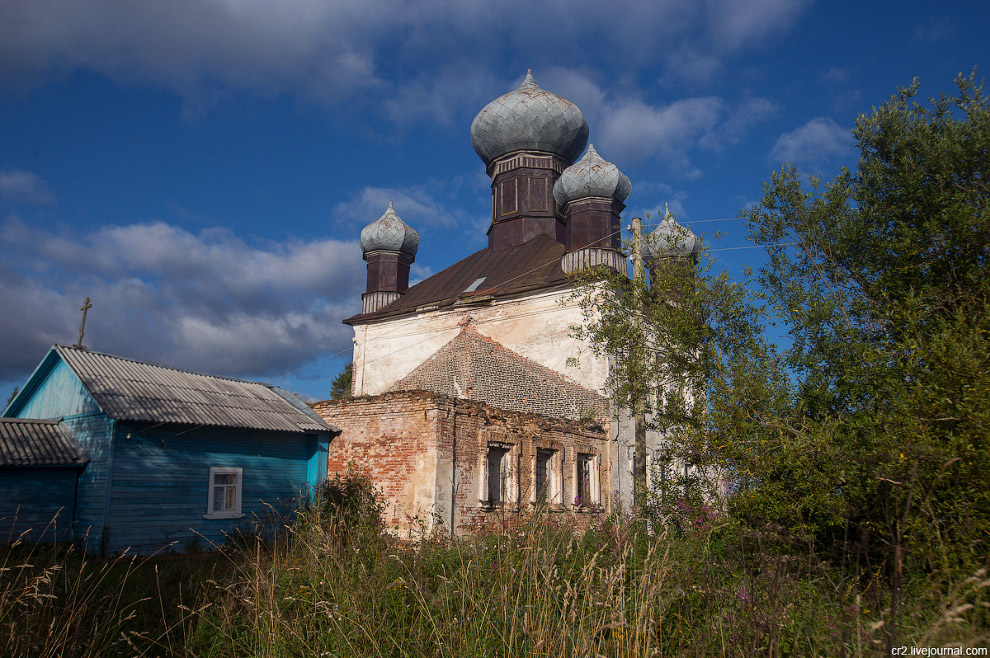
369 55
417 206
837 75
205 301
817 141
636 130
738 23
24 187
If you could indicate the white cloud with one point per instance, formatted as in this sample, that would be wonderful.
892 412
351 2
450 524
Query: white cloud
817 141
415 205
207 301
24 187
636 131
736 24
368 56
837 75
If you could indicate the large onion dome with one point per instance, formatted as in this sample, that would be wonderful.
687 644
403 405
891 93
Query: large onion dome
591 176
671 240
529 119
389 233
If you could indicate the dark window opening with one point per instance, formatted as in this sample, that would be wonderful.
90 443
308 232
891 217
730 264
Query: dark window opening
498 474
544 459
583 488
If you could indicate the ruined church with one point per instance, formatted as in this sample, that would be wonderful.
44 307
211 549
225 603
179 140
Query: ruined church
472 401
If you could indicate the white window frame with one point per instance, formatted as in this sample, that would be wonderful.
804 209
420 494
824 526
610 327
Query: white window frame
594 484
554 476
226 514
510 494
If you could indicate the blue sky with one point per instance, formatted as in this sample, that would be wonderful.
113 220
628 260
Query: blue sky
202 169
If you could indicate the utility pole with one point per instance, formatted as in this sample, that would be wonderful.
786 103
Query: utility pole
639 418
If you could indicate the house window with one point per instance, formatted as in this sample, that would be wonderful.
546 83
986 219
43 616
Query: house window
498 475
546 477
586 481
224 501
544 459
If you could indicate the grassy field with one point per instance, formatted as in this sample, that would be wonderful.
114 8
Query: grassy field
336 585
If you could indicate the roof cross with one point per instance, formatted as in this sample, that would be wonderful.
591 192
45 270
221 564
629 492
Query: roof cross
82 326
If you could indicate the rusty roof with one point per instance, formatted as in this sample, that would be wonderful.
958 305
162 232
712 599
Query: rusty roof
135 391
475 367
530 266
38 443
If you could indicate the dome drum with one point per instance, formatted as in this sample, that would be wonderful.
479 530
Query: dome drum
593 222
519 230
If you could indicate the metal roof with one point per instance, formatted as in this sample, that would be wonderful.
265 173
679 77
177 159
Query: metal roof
530 266
135 391
38 443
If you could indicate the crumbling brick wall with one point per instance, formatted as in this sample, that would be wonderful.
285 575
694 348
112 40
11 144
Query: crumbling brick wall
429 453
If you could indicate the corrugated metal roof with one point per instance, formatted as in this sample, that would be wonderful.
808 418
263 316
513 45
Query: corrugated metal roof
530 266
38 443
135 391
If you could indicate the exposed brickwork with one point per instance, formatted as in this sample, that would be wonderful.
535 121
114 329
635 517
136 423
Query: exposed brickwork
428 454
475 367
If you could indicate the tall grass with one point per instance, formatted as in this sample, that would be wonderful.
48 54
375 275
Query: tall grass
339 586
57 601
336 584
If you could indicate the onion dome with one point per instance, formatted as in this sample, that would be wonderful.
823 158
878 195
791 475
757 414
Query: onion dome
591 176
529 119
671 240
389 233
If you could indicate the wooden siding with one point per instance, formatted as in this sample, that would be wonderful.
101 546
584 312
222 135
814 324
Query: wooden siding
161 483
37 502
93 434
59 395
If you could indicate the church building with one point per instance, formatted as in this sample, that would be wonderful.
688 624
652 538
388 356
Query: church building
472 399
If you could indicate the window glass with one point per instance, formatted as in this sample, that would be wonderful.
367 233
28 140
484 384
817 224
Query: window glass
225 493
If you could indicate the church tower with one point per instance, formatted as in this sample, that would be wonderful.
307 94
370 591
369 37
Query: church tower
526 139
670 245
389 245
591 194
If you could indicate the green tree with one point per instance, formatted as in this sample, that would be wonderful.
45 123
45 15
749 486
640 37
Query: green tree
340 389
868 437
13 395
882 276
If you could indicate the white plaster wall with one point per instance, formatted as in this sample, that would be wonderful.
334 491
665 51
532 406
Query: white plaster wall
537 326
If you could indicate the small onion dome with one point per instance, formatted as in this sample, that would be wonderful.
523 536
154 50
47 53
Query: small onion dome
591 176
389 233
671 240
529 119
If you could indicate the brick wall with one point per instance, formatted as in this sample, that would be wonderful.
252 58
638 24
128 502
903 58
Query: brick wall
428 453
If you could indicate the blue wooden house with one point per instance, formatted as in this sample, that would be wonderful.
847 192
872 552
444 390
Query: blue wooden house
40 462
163 457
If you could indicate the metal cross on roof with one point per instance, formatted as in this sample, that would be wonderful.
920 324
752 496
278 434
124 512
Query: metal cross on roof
82 326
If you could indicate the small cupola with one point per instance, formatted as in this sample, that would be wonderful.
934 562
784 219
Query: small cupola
389 246
592 194
670 242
